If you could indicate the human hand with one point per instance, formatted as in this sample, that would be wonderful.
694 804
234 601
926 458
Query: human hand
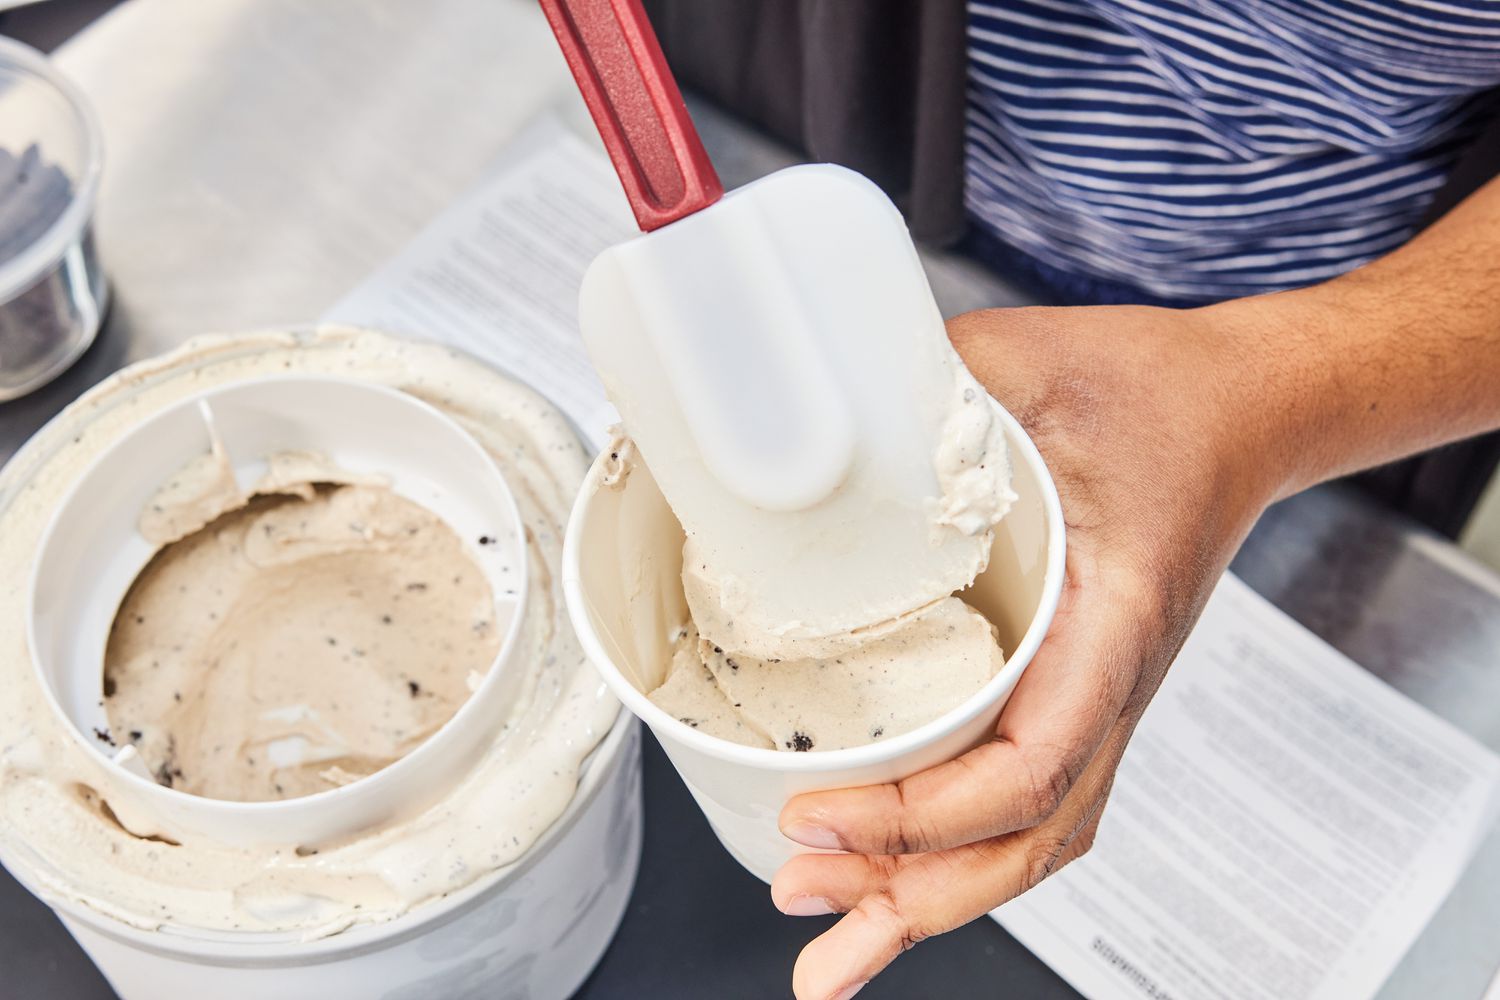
1148 421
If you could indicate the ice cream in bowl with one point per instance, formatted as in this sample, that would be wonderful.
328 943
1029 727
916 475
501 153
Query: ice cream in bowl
291 703
306 594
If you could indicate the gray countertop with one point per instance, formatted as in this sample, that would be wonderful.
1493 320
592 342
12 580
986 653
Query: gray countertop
264 155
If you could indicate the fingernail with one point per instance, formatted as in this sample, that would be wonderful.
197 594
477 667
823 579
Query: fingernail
812 835
849 991
807 906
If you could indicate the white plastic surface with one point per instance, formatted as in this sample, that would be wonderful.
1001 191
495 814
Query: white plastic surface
622 567
780 362
92 551
531 931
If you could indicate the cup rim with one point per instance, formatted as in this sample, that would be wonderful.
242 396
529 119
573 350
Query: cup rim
847 758
19 271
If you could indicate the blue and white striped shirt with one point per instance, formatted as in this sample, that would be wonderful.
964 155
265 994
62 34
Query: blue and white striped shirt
1196 150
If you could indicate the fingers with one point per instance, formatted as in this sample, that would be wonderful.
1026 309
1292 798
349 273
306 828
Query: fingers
840 882
1083 840
890 909
1001 786
1062 709
815 884
891 903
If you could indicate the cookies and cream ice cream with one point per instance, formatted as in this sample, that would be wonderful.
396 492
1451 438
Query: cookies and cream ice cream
774 683
294 637
886 683
60 828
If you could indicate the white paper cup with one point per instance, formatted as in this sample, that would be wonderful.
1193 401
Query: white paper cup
622 577
530 931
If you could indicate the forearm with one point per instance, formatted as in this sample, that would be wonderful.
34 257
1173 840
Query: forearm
1395 357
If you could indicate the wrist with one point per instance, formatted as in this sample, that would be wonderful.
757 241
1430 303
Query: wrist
1280 397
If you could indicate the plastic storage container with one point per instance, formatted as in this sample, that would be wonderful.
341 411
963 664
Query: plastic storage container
52 290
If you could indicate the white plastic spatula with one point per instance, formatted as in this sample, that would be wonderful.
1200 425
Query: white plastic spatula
777 357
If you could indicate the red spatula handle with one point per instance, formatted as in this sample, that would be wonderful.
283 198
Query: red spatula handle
635 102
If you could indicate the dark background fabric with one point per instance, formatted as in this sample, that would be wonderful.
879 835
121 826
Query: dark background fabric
875 85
